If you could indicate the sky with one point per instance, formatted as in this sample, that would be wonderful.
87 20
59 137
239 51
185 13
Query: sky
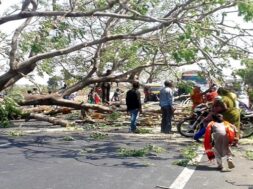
10 26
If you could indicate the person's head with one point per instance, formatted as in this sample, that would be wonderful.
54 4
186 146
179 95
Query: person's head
213 88
196 88
35 89
217 118
117 89
29 92
222 91
136 85
168 83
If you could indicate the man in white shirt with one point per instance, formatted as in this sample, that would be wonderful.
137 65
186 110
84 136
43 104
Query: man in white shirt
166 100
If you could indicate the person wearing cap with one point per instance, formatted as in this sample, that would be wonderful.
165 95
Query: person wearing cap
196 96
166 100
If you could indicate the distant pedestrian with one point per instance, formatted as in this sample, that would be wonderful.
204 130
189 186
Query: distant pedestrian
90 97
116 95
106 86
133 102
93 97
166 101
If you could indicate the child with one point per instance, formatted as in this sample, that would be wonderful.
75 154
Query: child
220 135
116 95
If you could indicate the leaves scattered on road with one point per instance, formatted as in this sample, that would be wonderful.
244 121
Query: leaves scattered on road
188 154
127 152
249 154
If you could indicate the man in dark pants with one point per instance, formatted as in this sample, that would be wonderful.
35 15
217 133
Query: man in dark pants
166 100
133 102
106 88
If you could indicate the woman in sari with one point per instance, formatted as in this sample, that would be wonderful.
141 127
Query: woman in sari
229 110
219 136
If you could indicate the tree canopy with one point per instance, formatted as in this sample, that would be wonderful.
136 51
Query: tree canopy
83 38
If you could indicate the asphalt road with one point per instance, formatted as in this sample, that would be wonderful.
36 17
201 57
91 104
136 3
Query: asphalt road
47 161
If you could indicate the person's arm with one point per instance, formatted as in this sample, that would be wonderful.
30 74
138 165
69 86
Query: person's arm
139 100
127 100
224 105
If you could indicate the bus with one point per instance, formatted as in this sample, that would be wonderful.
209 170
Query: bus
197 77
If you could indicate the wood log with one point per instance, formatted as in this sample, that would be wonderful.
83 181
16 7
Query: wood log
55 99
52 120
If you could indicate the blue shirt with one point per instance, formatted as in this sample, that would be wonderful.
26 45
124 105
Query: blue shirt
166 97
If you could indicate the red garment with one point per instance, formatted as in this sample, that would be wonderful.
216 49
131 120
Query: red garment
97 98
196 97
208 137
211 96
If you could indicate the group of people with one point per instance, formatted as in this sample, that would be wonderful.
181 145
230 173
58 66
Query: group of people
101 92
134 106
97 96
220 128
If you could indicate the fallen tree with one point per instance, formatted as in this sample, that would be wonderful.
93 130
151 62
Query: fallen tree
59 101
53 120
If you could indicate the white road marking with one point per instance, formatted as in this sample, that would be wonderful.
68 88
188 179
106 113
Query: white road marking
187 172
6 144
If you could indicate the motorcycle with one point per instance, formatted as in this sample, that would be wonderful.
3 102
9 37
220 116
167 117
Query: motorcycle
192 124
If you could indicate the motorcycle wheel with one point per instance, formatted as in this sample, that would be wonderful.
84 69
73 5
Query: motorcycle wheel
184 128
246 128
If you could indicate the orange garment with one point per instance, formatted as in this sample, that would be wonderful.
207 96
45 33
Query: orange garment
230 131
196 97
211 96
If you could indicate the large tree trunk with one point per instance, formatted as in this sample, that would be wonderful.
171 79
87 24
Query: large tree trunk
52 120
55 99
10 77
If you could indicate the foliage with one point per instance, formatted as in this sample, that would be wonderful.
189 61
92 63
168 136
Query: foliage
247 73
181 162
184 87
140 152
16 133
250 92
246 9
69 138
9 109
132 34
74 128
144 131
98 136
114 116
188 154
54 83
249 155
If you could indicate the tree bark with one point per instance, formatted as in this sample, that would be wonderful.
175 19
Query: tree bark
55 99
52 120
